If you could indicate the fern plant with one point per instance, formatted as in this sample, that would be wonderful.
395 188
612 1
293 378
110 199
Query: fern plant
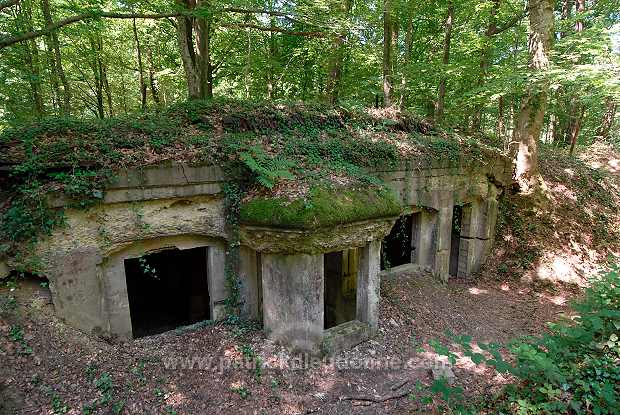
267 170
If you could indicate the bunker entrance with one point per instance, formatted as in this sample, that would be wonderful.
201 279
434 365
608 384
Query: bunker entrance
455 240
167 289
340 301
398 248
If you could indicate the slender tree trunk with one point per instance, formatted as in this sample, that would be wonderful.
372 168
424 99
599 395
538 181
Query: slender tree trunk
34 78
500 129
53 77
485 59
577 109
575 131
387 53
407 61
336 59
567 5
185 42
140 67
532 109
152 79
59 71
31 58
203 57
106 87
246 68
96 46
441 95
608 119
271 57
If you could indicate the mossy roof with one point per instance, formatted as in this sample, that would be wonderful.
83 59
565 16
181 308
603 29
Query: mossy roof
219 130
285 157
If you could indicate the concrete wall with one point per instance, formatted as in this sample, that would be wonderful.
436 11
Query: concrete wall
434 189
183 206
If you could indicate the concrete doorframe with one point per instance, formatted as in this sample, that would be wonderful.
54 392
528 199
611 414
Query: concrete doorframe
115 298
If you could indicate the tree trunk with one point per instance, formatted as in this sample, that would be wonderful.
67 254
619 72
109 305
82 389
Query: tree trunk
152 80
575 131
407 61
387 53
96 67
59 71
53 77
271 57
140 68
567 5
577 109
532 109
485 60
608 119
34 78
441 95
185 42
336 60
499 125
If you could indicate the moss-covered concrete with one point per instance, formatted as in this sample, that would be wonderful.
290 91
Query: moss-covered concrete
323 207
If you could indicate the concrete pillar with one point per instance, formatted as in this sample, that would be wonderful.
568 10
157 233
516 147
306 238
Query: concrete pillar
368 283
250 286
293 291
218 293
425 237
116 299
441 268
467 240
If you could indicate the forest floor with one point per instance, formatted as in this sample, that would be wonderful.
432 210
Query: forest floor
544 253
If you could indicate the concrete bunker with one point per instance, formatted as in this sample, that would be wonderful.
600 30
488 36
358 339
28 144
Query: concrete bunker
286 272
167 289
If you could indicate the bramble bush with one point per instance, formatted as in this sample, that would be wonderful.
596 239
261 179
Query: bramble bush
573 369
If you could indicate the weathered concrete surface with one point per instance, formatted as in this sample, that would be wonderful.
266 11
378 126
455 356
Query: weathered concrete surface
337 238
182 206
293 299
116 311
424 239
249 276
76 258
344 336
368 284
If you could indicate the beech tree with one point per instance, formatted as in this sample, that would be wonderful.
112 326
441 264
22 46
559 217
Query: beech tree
529 122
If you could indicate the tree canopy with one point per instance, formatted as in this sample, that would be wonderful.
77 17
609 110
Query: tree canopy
464 63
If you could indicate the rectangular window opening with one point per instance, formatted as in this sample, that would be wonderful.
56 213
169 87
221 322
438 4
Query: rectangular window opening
167 289
340 300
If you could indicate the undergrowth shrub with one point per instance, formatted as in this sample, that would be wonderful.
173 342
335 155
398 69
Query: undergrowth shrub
573 369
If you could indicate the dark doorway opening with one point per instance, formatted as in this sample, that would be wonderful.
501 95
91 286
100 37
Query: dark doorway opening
396 248
340 275
455 240
167 289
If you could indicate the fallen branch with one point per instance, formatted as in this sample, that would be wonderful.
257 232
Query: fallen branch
375 399
399 385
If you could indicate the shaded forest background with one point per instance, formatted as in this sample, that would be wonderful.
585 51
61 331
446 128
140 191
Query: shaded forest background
464 63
